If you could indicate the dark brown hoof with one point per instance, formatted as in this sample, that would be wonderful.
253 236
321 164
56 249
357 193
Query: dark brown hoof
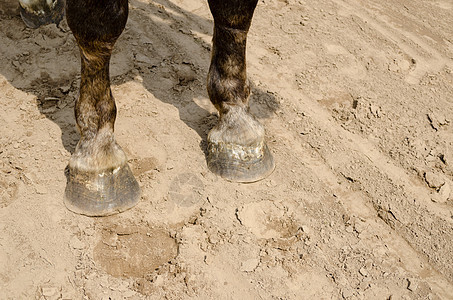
240 164
36 13
103 194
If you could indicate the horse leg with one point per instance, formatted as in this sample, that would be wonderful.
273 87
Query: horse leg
100 181
236 147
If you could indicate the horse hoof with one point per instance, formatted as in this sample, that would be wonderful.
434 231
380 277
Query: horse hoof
101 194
238 163
35 13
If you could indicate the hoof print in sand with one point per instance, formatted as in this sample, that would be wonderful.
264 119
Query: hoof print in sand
266 221
186 190
134 251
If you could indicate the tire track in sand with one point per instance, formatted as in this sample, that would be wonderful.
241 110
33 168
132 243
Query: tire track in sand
409 42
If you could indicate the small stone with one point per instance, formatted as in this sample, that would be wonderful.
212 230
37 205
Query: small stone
347 293
143 59
138 78
213 239
129 294
65 88
208 259
250 265
363 285
434 181
437 120
76 243
444 193
66 296
359 226
159 280
48 291
363 271
40 189
172 269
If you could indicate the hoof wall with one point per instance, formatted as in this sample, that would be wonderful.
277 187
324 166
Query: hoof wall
240 164
44 15
104 194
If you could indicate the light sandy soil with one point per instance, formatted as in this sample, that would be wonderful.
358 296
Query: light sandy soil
357 101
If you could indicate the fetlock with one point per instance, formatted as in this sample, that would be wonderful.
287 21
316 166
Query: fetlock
239 127
98 154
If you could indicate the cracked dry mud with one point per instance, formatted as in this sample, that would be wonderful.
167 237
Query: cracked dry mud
356 98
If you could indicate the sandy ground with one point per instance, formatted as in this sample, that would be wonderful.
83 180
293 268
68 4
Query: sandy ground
357 101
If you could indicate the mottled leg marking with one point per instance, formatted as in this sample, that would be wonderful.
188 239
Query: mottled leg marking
100 181
236 147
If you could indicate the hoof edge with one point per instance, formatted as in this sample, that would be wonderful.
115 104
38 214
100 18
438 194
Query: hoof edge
240 164
104 194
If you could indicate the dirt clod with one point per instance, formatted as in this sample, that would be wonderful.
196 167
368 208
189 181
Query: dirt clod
434 181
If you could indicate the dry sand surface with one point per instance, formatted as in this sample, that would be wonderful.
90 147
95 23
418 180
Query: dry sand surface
357 101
